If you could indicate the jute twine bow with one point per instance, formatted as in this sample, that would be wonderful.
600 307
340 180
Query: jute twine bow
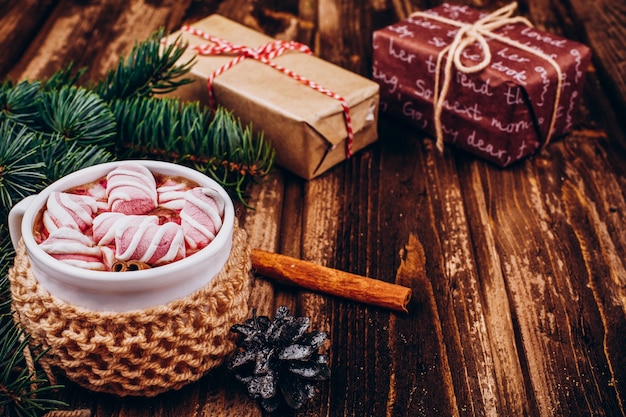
265 54
468 34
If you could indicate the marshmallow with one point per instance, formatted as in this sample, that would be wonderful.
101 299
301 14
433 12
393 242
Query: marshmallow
72 247
201 216
106 224
171 195
131 189
69 210
150 243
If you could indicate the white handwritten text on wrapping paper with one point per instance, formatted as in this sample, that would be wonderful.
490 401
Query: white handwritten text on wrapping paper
422 90
568 118
431 64
542 37
485 147
423 23
519 76
454 10
511 56
477 86
514 97
438 42
451 134
389 80
578 72
501 113
400 53
545 82
471 112
409 111
402 31
465 80
514 127
521 149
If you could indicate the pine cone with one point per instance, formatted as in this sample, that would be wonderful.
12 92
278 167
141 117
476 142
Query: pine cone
277 361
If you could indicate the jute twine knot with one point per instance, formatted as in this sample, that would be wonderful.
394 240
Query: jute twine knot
140 352
468 34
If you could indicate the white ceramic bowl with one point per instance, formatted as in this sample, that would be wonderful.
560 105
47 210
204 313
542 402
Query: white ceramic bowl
129 290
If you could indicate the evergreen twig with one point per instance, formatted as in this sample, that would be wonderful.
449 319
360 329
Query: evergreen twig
151 68
19 102
6 258
20 173
64 77
215 144
22 391
78 115
60 158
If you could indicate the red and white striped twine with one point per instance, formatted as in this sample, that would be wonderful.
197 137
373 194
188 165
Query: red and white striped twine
265 53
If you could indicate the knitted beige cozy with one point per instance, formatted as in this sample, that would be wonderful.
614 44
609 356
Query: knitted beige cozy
141 352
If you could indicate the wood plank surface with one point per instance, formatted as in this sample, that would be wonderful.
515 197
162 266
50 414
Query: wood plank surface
22 20
522 311
601 26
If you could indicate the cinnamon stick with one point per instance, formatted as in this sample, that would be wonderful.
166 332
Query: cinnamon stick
326 280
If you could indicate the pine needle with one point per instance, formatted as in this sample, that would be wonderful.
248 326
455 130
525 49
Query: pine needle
184 133
151 68
22 391
61 158
20 174
77 114
19 102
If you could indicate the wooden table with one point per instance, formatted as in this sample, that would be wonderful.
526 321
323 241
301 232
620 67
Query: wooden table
518 275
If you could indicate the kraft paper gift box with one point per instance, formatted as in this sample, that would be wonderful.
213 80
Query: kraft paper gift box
502 113
307 128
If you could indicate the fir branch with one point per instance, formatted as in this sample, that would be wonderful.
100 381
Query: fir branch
64 77
248 154
60 158
151 68
20 173
248 157
78 115
6 258
22 391
184 133
19 102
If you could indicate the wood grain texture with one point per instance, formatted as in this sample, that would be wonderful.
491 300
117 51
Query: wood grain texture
600 24
93 35
20 21
518 275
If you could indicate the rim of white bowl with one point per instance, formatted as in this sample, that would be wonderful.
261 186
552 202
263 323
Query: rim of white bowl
211 249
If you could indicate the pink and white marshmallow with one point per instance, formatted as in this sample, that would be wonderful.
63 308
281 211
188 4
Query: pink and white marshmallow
131 189
105 225
69 210
201 216
72 247
150 243
171 194
98 192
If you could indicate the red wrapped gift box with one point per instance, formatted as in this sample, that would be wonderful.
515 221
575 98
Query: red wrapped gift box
510 90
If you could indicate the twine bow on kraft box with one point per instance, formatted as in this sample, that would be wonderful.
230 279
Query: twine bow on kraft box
488 83
314 113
